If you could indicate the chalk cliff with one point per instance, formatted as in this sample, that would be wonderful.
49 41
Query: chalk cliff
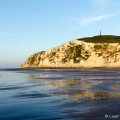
97 51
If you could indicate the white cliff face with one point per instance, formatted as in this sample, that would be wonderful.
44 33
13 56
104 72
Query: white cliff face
75 54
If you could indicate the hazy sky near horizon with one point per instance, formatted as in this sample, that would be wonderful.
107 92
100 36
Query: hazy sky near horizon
29 26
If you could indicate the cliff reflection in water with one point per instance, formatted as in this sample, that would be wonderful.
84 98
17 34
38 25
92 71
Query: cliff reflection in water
79 86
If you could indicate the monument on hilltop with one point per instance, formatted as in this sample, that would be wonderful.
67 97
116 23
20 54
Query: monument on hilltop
100 32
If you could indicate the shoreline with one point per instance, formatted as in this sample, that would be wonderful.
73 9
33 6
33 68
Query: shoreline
69 68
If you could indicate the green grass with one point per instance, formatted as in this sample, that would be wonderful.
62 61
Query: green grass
102 39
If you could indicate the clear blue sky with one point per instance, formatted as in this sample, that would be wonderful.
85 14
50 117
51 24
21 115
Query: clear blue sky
29 26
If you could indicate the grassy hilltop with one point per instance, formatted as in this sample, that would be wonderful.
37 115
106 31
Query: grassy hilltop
102 39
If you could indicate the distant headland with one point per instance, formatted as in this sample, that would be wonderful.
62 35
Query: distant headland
88 52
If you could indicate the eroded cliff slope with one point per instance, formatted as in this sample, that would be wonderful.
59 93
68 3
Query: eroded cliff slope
97 51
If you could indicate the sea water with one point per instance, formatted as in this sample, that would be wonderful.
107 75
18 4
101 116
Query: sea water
60 94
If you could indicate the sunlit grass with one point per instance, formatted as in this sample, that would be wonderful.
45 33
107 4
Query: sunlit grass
102 39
